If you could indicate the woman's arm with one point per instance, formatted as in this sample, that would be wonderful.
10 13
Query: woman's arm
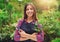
40 37
23 38
37 37
33 37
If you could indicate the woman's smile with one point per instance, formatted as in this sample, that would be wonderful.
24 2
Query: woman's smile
29 11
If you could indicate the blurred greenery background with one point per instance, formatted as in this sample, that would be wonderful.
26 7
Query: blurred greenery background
48 13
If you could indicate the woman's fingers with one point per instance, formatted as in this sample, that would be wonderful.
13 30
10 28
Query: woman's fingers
22 33
21 30
34 33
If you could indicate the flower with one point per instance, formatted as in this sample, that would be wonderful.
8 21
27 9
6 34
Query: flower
37 27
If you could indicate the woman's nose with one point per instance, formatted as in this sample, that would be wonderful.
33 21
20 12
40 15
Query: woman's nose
29 9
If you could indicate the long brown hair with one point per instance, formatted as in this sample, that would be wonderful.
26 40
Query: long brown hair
34 14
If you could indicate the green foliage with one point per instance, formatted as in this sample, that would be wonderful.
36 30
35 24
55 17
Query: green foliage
6 33
16 17
56 40
4 18
2 6
9 7
1 1
51 24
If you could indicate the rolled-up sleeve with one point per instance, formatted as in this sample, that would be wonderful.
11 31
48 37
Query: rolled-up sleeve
16 33
16 36
40 36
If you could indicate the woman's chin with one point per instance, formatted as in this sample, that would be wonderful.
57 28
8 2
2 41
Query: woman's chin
30 15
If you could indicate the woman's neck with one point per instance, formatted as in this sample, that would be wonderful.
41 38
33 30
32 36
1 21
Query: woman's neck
29 19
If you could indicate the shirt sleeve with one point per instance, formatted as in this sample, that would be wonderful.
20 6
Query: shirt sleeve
16 33
16 36
40 35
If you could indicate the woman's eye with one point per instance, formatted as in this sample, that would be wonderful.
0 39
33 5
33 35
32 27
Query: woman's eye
31 8
27 9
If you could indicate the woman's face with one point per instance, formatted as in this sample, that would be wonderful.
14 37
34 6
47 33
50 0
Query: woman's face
29 11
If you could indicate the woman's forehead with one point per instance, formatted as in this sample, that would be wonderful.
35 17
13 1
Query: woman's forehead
29 6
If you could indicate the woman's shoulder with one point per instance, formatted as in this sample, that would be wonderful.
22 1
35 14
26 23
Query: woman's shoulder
21 19
38 23
19 22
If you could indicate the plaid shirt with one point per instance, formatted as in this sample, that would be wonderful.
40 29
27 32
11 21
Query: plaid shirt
40 36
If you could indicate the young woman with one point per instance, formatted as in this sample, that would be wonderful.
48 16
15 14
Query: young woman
24 31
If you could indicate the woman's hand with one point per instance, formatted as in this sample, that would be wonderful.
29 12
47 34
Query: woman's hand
33 37
24 36
22 33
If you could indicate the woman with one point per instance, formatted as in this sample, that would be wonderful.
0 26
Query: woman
24 31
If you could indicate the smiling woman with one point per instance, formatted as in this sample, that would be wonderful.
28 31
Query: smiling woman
29 11
25 29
